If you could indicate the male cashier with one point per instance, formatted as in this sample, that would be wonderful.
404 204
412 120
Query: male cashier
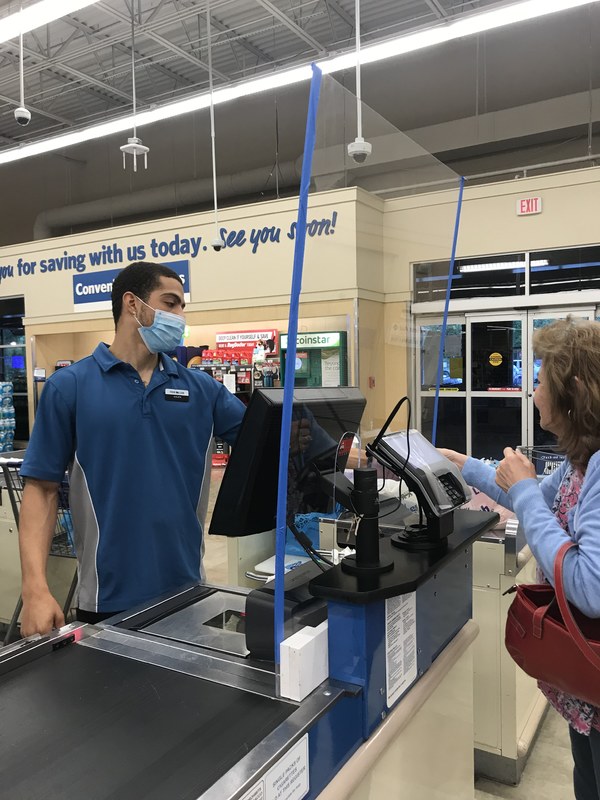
135 429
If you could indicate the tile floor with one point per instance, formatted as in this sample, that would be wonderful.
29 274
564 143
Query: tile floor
215 553
548 774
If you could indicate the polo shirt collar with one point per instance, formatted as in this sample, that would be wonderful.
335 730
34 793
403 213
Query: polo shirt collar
167 364
107 360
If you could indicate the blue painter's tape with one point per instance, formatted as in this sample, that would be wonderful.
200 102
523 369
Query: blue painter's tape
438 379
288 391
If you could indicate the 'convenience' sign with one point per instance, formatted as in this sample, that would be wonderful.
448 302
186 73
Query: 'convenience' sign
91 291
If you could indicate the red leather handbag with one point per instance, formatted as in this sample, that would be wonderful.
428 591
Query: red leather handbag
553 641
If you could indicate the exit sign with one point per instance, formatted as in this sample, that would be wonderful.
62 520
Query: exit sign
529 205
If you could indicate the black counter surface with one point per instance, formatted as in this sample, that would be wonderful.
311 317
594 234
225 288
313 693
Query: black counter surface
82 724
411 569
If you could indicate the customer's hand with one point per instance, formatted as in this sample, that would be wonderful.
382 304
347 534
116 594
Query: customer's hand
41 613
513 468
460 459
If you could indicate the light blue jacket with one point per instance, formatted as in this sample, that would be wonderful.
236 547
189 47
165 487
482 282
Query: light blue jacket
531 501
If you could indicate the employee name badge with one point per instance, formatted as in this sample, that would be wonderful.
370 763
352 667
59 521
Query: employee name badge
177 395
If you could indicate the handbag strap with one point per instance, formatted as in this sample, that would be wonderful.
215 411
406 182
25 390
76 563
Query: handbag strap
565 608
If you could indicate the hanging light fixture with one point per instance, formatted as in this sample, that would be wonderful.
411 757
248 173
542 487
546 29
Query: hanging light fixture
134 146
480 22
358 150
22 114
217 243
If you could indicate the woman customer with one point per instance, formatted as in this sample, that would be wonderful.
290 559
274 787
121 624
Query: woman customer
565 505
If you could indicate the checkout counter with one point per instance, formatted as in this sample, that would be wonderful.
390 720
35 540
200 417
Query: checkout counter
508 705
175 700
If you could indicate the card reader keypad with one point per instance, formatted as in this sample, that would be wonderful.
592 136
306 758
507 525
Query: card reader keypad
452 488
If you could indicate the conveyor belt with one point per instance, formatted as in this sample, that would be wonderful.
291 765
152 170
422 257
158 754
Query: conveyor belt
81 724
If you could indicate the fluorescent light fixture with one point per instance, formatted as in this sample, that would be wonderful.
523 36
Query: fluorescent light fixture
36 15
541 262
477 23
196 103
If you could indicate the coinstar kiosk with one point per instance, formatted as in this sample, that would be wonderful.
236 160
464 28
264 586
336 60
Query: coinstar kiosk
321 358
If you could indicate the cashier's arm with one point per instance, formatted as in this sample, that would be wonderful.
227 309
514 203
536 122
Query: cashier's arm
37 523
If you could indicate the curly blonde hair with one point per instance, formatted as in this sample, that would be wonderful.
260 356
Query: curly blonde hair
570 353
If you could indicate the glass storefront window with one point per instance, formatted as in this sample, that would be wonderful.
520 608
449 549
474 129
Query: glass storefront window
486 276
453 362
12 367
13 361
493 425
452 418
12 336
496 350
565 270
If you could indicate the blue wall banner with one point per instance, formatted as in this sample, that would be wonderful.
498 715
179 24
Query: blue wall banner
91 290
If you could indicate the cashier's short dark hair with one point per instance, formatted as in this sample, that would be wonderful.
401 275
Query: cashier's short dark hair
141 278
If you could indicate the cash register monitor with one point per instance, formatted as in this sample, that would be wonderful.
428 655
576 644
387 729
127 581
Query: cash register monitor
247 500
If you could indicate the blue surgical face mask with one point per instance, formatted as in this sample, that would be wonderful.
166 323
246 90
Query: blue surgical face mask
165 332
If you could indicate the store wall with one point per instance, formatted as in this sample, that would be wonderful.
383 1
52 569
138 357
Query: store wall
358 259
420 228
52 343
370 246
371 359
253 269
59 343
245 284
399 354
370 315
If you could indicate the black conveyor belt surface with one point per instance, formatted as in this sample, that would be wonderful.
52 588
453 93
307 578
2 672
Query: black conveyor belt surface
82 724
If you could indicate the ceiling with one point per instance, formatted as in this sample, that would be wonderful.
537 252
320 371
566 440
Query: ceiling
78 69
521 95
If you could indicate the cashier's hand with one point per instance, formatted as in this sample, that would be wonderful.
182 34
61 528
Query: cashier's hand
459 459
513 468
40 614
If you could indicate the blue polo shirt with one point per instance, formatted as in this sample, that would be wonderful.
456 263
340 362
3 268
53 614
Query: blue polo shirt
138 458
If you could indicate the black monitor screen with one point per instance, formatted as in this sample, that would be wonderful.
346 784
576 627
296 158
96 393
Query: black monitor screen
247 500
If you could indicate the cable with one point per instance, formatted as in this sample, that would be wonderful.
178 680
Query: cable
212 121
21 77
383 459
307 546
383 481
377 516
337 453
358 76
